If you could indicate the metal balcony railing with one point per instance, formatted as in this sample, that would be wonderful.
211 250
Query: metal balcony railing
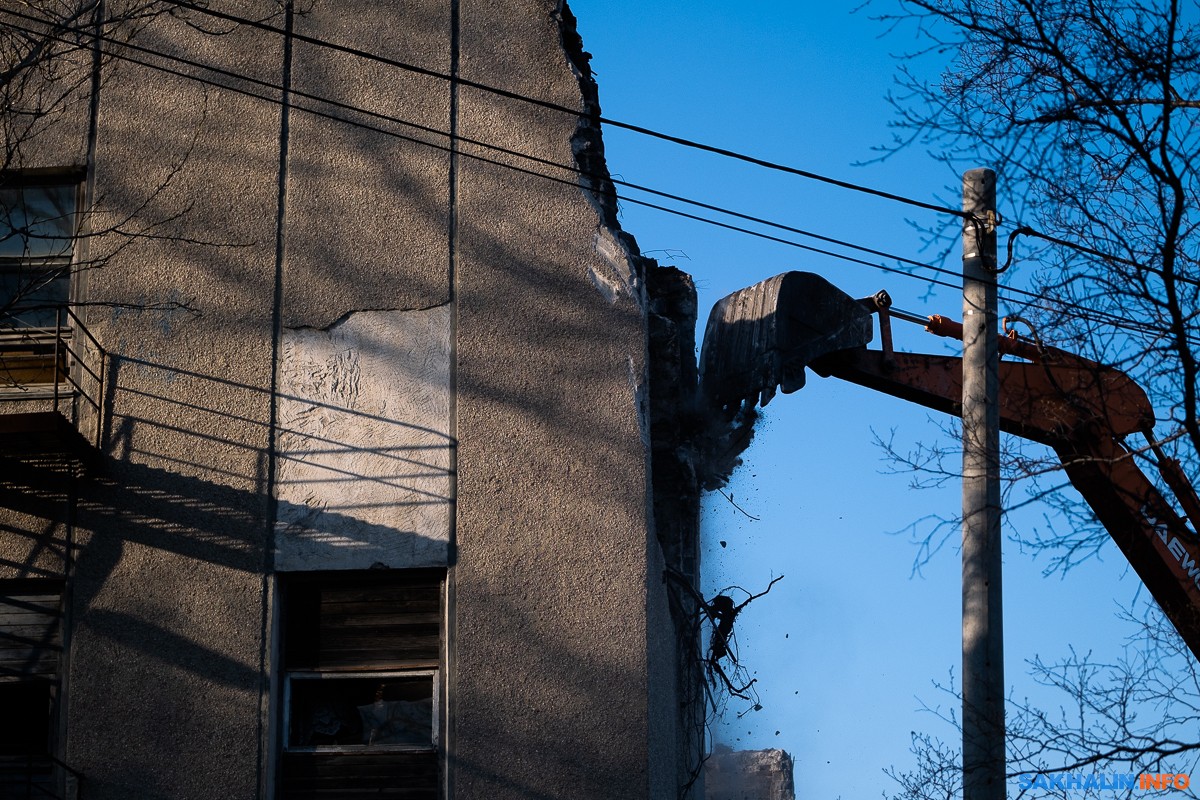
60 369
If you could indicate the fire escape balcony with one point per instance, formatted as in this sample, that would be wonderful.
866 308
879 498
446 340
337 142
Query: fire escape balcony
51 394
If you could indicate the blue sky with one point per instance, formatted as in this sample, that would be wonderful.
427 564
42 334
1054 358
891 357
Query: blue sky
847 647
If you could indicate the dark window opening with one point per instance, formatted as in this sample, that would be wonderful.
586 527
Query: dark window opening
385 710
37 237
27 706
38 230
30 653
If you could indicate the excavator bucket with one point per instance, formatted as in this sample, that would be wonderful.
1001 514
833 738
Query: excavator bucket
763 336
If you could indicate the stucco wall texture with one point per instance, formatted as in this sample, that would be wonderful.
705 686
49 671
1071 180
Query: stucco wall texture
333 347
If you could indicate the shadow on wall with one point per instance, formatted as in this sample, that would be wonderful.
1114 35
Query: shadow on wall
153 509
36 543
169 638
554 526
546 739
346 477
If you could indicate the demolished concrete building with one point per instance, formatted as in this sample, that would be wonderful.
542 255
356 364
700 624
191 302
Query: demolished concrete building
344 440
749 775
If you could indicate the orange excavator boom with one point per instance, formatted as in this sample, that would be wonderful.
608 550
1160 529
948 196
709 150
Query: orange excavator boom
764 337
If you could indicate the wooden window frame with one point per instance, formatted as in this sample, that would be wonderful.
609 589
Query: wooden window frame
327 632
338 675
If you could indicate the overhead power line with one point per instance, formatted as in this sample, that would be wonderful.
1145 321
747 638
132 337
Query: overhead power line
1080 311
1025 230
574 112
467 140
685 142
295 93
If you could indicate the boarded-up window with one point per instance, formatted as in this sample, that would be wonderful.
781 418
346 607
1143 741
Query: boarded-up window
362 656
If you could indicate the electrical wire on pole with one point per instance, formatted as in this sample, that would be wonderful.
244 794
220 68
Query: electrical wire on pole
1012 293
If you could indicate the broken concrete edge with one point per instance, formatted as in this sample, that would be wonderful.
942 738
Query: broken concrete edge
692 445
587 142
664 384
710 441
749 774
617 248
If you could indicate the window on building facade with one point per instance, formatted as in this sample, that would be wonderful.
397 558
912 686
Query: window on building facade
361 683
30 649
353 711
38 225
37 238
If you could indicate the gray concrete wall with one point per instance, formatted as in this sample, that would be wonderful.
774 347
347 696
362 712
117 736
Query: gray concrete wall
165 683
365 371
552 519
372 354
749 775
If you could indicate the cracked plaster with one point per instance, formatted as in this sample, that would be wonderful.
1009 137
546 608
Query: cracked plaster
364 446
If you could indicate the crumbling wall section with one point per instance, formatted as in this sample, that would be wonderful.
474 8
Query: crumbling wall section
673 415
667 413
749 775
623 267
559 572
676 498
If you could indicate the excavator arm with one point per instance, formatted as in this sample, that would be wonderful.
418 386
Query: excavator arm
765 336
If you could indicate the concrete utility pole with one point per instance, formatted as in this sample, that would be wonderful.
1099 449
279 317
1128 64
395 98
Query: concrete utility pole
983 622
